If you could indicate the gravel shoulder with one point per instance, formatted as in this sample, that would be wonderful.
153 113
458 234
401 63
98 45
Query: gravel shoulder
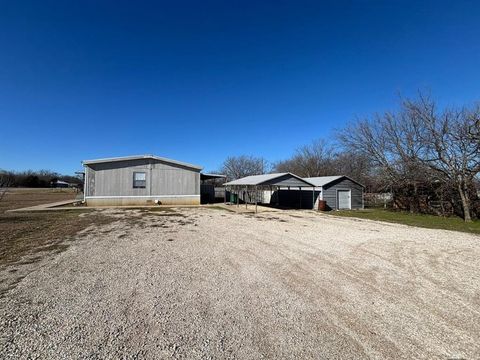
205 283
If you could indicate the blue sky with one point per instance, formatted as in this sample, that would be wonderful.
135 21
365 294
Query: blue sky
199 81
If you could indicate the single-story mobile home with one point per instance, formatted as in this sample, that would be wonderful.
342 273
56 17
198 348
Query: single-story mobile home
141 180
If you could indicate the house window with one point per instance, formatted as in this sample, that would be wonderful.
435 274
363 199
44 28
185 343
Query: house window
139 180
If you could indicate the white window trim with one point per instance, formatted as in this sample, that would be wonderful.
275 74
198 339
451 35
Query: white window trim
135 179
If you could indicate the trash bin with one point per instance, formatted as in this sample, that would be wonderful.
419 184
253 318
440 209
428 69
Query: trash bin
322 205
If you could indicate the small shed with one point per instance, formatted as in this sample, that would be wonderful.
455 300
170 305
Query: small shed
340 192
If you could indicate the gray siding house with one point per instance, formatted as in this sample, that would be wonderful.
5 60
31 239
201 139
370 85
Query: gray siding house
340 192
141 180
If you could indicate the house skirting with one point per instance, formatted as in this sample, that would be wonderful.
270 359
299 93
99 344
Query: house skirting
142 200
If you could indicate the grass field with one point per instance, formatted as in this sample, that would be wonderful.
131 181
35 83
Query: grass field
426 221
16 198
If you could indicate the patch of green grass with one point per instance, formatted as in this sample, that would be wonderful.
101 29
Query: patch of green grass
426 221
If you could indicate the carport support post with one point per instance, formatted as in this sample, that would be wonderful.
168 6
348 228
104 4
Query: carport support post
245 196
313 198
238 197
300 188
256 198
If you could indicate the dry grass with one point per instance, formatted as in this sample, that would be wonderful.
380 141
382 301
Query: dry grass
17 198
27 233
28 237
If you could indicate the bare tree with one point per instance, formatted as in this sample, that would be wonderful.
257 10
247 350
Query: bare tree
316 159
388 144
418 144
235 167
474 120
320 159
6 180
356 166
452 147
382 142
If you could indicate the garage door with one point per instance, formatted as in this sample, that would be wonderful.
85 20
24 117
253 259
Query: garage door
343 199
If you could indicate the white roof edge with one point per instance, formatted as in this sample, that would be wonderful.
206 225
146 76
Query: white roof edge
211 174
254 179
137 157
331 179
258 179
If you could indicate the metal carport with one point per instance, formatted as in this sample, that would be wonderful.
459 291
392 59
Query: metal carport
270 182
208 190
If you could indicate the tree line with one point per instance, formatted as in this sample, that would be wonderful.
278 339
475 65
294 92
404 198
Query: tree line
427 158
34 179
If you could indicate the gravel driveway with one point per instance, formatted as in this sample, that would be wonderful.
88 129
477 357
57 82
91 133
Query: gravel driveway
206 283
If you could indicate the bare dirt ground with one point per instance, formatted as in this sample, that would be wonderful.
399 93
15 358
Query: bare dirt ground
206 283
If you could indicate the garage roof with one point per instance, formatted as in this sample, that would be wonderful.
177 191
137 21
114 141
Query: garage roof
325 180
269 179
138 157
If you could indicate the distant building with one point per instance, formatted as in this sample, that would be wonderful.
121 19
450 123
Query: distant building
141 180
60 184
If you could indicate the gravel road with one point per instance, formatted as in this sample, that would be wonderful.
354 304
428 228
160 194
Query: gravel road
205 283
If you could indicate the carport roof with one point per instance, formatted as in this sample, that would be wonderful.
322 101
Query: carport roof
205 176
266 179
